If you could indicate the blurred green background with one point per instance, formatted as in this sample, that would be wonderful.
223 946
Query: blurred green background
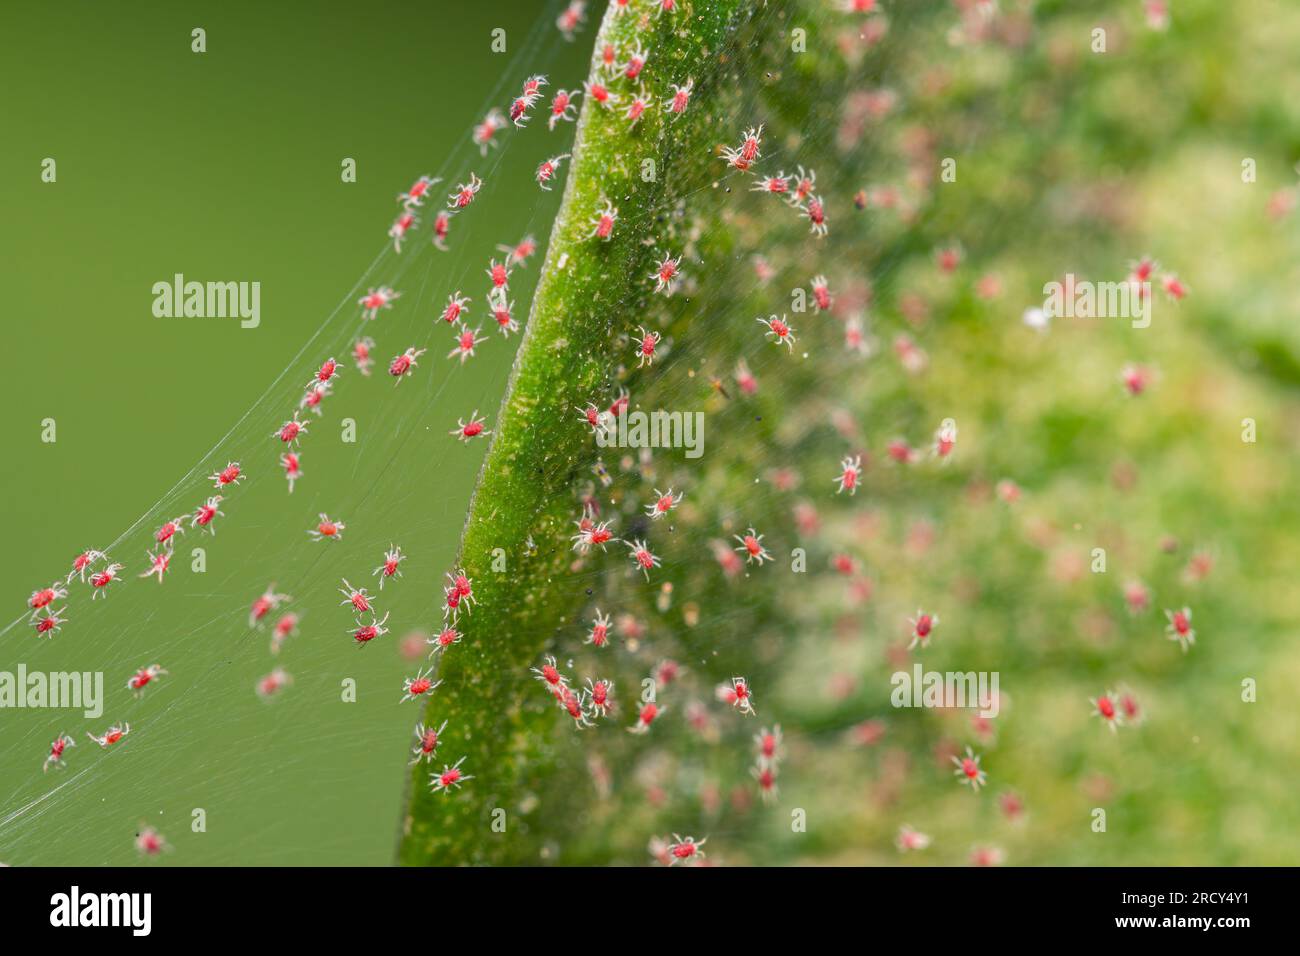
224 166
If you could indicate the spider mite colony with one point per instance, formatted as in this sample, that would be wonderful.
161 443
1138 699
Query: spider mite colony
627 84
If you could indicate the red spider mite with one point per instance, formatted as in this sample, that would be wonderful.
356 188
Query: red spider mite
620 7
361 349
562 107
290 430
603 222
571 18
376 299
620 403
909 839
285 628
272 683
144 677
400 366
591 415
169 529
598 636
1136 379
636 61
968 770
457 307
948 258
484 132
466 341
737 694
400 227
549 674
450 778
600 92
642 557
821 293
645 347
327 529
844 564
1104 707
744 156
465 193
646 715
547 170
1130 708
768 743
149 842
731 565
158 563
419 189
472 429
441 226
805 181
1180 627
681 98
292 466
48 625
665 672
519 110
55 758
751 545
778 330
501 312
901 452
391 568
593 535
1140 272
945 439
778 185
520 252
745 379
1173 286
854 340
685 848
357 597
111 736
636 107
267 602
850 472
923 626
206 513
664 503
1137 597
571 703
100 580
667 275
426 742
419 685
227 476
316 393
766 778
366 633
44 597
82 562
499 273
816 215
462 584
598 693
444 639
